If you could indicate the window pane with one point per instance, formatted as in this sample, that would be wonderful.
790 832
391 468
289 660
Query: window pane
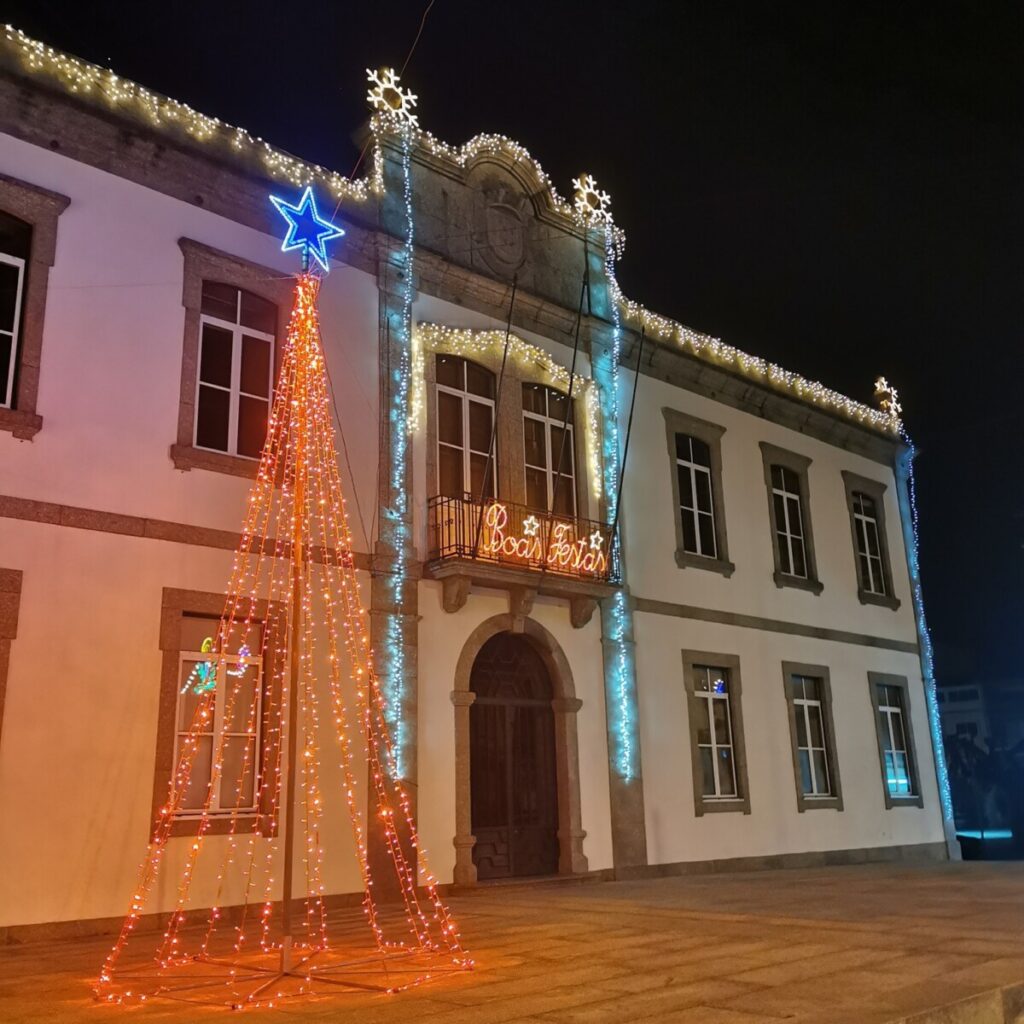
450 372
479 381
701 452
796 687
899 779
252 425
707 772
701 682
255 366
707 535
533 434
557 405
533 398
561 452
703 481
897 731
701 721
479 427
719 680
795 519
689 532
563 496
199 778
821 772
799 567
259 314
215 360
449 469
865 572
6 347
536 489
220 300
782 543
776 475
685 486
789 480
212 418
240 692
726 772
232 794
817 736
800 721
449 418
804 763
15 236
10 278
871 530
477 465
721 712
195 675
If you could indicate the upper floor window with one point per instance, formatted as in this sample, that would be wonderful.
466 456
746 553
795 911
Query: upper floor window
895 740
236 366
808 696
695 450
716 732
870 546
15 246
465 425
550 456
789 514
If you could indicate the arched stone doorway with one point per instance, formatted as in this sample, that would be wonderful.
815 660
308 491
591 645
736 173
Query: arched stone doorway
528 703
513 785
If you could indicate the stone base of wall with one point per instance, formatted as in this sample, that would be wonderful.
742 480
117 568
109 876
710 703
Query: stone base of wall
914 853
920 852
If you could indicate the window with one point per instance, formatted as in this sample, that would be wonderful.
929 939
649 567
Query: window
785 475
465 423
15 245
808 696
695 453
550 458
236 366
250 722
28 248
870 547
234 316
890 696
716 732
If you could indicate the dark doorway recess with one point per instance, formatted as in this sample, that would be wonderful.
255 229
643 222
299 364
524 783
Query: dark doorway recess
513 781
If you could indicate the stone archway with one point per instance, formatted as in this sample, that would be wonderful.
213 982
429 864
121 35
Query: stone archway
565 705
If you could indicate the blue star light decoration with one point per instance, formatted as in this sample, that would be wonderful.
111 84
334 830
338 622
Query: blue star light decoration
307 230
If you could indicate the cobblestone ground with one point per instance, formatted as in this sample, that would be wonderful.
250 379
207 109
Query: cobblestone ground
853 945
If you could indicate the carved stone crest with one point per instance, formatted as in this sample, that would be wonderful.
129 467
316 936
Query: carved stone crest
502 218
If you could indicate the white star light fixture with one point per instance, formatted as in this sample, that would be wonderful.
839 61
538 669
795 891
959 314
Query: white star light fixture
596 540
888 398
387 96
531 524
593 206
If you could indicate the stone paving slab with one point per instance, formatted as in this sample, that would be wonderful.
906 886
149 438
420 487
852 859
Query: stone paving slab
871 944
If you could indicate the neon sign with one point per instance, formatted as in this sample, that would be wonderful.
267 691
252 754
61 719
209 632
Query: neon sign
565 552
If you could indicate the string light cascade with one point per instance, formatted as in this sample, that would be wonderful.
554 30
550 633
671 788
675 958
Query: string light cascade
294 592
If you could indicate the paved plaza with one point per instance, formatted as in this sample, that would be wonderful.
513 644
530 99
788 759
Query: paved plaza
935 944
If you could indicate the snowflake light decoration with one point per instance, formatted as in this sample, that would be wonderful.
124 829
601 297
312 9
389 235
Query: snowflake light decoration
388 97
593 206
888 398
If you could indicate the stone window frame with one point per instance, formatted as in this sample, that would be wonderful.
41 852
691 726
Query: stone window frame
874 489
10 606
510 437
40 208
175 605
677 422
821 673
203 262
703 805
773 455
902 683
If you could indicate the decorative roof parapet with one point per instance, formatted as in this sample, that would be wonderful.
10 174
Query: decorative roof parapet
591 209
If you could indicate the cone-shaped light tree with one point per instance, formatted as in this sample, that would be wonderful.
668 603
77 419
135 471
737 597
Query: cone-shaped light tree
298 694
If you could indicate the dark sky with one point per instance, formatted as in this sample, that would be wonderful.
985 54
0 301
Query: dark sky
837 187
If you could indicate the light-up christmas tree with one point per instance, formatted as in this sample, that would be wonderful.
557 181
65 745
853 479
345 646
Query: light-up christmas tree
294 608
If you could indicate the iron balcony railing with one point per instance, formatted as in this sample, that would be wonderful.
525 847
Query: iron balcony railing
506 533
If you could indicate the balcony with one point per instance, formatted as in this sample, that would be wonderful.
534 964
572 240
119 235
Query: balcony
523 550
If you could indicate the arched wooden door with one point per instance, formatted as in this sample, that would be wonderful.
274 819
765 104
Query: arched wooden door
513 781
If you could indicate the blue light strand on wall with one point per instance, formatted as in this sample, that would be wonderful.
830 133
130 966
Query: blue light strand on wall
906 470
397 515
623 671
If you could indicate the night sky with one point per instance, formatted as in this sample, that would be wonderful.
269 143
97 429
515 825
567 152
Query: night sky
836 187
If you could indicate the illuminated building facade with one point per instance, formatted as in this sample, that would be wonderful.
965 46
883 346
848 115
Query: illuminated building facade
739 681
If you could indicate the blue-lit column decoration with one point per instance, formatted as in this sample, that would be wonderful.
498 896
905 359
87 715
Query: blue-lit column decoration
907 495
629 836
